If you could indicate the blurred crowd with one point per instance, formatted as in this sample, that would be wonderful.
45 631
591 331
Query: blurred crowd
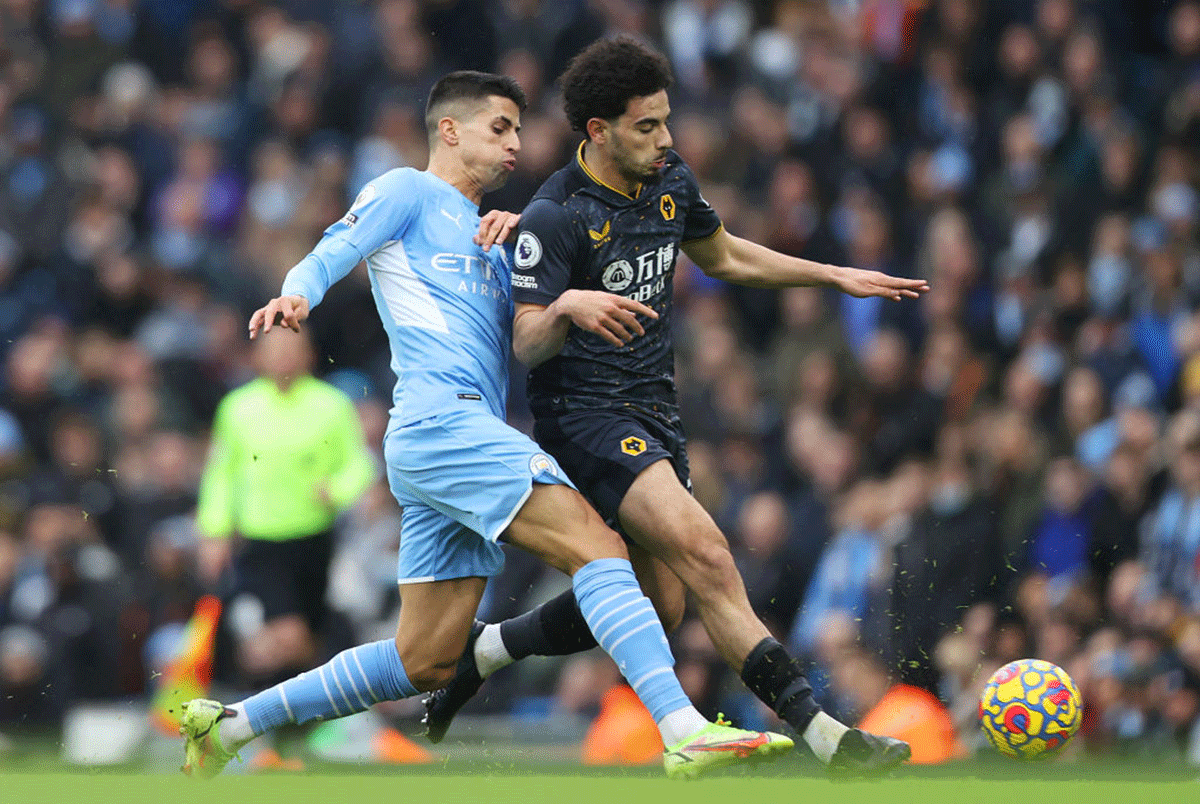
914 492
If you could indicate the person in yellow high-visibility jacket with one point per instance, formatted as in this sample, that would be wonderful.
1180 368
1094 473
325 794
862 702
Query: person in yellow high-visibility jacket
287 455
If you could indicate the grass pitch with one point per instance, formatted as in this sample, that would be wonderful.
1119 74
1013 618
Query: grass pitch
480 782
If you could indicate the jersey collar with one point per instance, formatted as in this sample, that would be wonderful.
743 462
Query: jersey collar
624 197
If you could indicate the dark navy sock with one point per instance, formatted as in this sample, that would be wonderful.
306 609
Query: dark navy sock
775 677
555 628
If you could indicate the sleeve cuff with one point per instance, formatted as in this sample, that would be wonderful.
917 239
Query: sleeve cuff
713 233
535 297
301 280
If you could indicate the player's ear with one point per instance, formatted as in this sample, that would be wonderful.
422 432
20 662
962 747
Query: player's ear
448 130
597 130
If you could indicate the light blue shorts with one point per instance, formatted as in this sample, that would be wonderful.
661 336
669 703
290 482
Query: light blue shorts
461 478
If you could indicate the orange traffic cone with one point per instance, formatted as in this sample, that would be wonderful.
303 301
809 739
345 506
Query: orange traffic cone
269 760
623 733
917 717
393 747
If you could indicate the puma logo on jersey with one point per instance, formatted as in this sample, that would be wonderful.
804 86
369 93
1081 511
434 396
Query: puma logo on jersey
600 236
454 218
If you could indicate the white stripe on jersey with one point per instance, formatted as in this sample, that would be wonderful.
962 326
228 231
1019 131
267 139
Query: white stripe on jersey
407 298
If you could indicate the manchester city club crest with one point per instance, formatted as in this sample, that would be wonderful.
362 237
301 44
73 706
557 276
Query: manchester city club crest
541 463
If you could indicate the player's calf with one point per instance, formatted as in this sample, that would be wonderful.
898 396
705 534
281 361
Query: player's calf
443 704
435 621
429 676
429 665
661 585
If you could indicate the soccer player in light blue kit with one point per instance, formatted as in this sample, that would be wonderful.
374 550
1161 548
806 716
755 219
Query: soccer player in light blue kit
464 477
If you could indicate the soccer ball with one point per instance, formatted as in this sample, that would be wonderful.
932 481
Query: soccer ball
1030 709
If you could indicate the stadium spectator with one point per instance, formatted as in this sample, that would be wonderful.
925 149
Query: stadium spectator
840 585
1170 539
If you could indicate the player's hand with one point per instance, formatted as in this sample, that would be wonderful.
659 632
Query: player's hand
495 227
608 315
860 284
286 310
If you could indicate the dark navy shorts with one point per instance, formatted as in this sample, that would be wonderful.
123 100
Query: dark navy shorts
603 452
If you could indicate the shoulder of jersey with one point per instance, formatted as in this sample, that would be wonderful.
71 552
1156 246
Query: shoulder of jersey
561 185
674 161
408 172
403 176
337 399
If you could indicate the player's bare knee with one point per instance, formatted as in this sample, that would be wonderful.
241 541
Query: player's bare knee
600 542
592 539
428 674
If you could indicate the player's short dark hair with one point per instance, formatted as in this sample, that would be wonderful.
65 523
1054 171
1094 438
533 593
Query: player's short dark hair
469 85
603 77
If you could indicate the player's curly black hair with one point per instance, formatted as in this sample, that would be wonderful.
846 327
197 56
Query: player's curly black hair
603 77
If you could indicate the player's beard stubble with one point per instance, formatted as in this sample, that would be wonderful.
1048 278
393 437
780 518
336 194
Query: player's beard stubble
633 169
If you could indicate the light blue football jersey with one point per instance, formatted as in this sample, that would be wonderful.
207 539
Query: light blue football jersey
445 303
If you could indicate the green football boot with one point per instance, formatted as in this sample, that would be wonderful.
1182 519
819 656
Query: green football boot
720 744
204 756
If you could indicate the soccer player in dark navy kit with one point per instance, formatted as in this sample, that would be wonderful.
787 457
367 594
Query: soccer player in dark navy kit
592 281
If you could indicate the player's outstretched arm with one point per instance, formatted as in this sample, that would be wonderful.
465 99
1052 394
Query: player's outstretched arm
381 212
288 311
540 331
862 283
737 260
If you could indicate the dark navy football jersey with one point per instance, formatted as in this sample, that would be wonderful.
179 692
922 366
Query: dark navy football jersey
579 232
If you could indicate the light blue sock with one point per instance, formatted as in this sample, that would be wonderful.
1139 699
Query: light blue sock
625 624
348 683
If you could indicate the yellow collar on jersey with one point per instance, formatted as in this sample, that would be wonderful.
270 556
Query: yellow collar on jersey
579 157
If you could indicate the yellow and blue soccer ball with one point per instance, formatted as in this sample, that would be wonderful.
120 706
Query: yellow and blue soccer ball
1030 709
